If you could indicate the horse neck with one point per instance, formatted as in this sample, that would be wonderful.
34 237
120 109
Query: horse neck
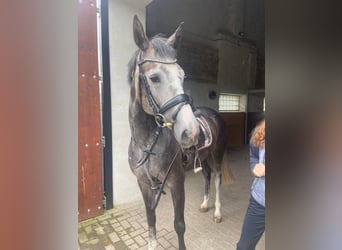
143 126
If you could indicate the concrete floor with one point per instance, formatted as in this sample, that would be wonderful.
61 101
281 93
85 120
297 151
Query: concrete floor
125 226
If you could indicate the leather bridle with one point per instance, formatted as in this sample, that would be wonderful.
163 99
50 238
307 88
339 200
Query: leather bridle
180 100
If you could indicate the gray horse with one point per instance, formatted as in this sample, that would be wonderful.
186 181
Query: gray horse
162 124
168 133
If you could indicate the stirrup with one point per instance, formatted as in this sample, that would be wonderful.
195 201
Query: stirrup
197 169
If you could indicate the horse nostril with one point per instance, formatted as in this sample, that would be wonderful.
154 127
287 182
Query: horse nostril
185 135
188 136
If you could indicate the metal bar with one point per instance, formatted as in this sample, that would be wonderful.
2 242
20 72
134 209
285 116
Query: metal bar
107 104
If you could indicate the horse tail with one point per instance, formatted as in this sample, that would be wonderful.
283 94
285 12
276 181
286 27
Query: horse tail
227 174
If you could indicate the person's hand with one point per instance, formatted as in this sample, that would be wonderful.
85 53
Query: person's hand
259 170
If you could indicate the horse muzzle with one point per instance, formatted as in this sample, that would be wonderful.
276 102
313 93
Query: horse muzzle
189 138
186 128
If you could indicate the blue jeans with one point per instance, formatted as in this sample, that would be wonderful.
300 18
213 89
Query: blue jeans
253 226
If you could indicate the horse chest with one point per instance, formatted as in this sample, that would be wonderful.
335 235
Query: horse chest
152 153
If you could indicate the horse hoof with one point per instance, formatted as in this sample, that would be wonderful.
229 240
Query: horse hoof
203 209
217 219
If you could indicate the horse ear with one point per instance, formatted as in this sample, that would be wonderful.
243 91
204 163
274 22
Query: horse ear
140 37
173 40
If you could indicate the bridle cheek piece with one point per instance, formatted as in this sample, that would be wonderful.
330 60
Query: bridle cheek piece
180 100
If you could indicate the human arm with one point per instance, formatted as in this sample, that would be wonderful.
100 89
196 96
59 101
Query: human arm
256 157
259 170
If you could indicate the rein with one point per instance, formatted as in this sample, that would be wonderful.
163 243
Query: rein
160 186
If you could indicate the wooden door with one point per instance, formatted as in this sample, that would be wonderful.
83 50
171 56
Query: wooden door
89 120
235 122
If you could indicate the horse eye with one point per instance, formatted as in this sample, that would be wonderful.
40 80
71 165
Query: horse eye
155 79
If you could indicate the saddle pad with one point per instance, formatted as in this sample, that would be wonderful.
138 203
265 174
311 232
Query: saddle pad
205 137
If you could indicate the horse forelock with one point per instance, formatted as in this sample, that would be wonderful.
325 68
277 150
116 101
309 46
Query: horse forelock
162 48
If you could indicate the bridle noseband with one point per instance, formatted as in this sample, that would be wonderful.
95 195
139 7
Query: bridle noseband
181 99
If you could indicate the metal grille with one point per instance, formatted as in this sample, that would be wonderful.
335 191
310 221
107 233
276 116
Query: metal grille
229 102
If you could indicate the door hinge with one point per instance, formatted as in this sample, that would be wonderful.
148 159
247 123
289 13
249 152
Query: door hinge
103 141
104 201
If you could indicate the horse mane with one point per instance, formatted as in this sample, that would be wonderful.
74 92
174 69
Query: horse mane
131 67
161 48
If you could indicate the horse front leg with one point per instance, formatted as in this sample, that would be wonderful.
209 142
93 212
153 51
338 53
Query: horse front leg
178 199
148 197
207 175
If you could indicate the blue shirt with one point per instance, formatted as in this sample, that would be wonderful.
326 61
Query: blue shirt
257 155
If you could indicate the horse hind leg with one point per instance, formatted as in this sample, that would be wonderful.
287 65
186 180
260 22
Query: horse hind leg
217 214
204 207
150 214
222 171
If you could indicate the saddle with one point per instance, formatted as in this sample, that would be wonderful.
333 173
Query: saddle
205 137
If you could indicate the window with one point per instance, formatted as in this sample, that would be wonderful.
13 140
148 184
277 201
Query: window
229 102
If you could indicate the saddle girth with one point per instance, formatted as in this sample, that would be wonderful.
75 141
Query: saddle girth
205 137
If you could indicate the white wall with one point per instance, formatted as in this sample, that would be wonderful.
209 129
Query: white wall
121 49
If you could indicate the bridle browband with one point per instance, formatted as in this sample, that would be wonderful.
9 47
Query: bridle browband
181 99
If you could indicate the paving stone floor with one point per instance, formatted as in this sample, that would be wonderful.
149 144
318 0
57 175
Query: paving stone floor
125 226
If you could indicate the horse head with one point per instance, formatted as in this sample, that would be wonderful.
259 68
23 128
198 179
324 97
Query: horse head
158 84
